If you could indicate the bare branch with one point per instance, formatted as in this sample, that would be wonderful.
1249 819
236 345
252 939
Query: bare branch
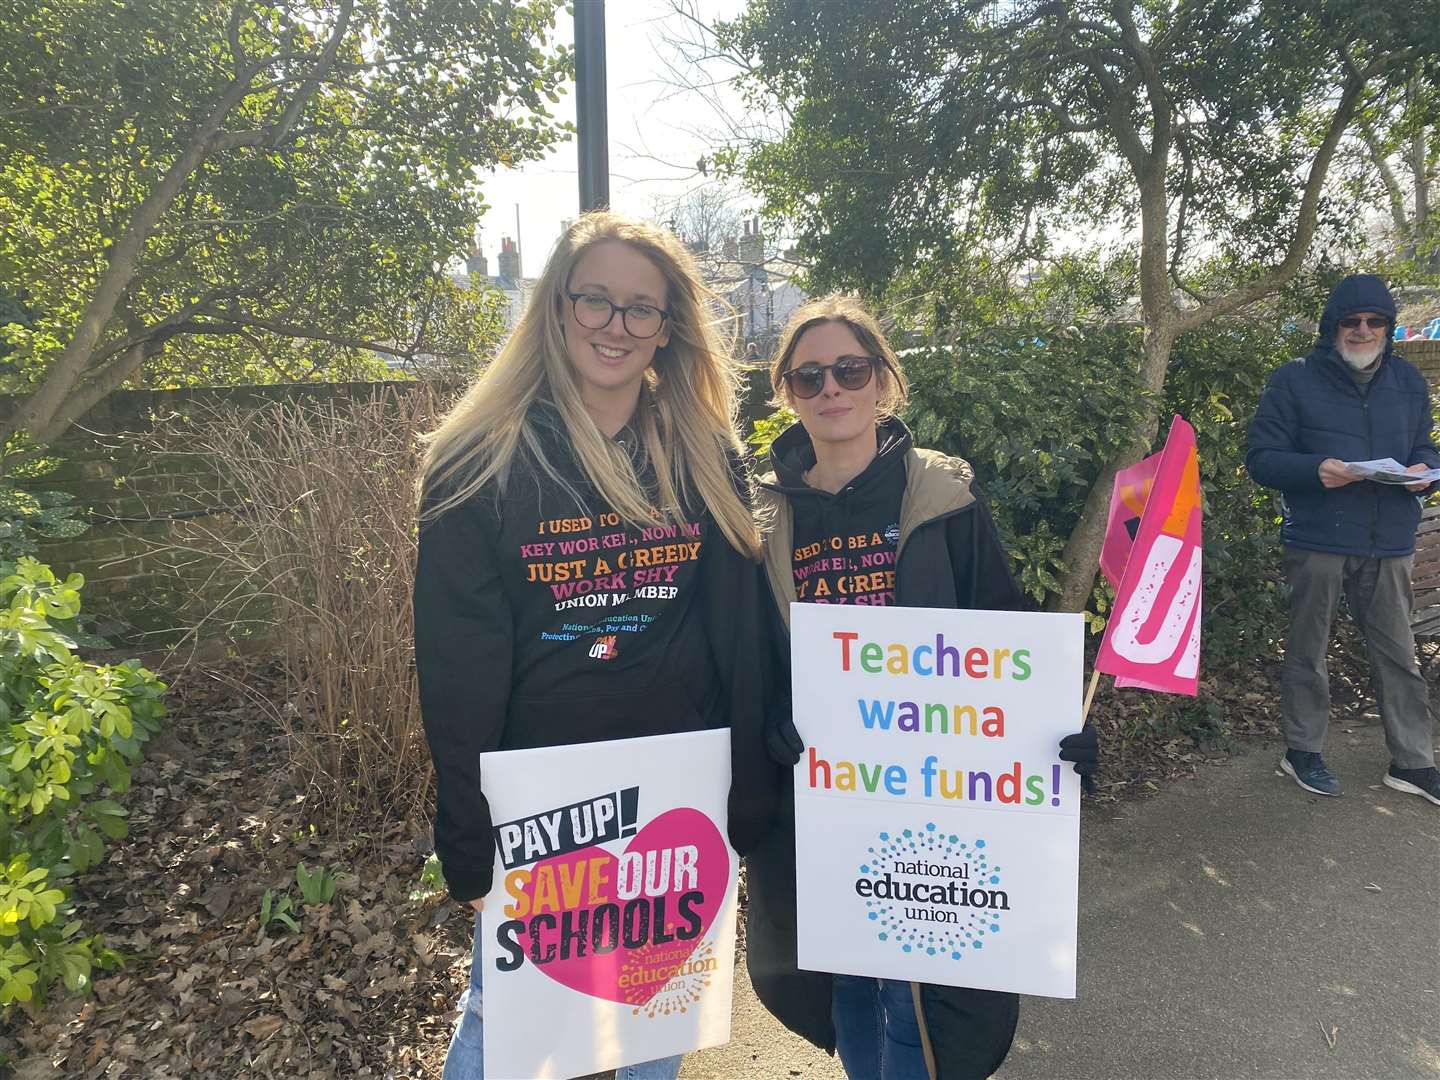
1379 159
227 322
1304 226
161 330
1193 294
232 32
1177 250
1117 116
1062 116
1154 85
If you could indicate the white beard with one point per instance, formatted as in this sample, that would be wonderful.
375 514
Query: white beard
1363 358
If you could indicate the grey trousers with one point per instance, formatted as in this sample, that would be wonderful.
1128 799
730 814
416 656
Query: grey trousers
1378 591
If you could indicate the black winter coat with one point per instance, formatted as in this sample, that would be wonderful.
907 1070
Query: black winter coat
1312 410
504 662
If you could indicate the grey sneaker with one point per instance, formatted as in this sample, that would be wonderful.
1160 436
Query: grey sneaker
1309 771
1422 782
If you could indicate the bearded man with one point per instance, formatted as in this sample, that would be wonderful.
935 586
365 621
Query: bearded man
1350 399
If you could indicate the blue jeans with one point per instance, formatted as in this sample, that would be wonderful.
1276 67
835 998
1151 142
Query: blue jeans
465 1060
876 1033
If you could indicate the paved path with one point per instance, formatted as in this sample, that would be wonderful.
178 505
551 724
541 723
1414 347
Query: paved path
1230 927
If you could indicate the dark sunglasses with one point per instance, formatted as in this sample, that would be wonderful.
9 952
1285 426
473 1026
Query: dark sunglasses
851 373
1374 322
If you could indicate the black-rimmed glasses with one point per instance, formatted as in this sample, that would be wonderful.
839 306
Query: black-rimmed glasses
851 373
595 312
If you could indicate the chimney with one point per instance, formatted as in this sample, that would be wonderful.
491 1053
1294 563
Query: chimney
751 247
475 264
507 263
731 248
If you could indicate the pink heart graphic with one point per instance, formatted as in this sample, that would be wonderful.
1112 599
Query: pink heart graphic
626 950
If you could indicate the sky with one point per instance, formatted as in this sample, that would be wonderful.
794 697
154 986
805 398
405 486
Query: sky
656 135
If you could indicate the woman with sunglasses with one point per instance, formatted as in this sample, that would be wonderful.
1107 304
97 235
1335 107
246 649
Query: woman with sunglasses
849 470
600 439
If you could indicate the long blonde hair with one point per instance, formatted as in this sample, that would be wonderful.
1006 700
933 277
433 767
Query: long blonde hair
685 418
849 311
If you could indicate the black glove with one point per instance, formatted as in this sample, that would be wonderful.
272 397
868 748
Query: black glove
1083 749
781 739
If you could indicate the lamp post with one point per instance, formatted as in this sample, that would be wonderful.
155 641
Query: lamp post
590 111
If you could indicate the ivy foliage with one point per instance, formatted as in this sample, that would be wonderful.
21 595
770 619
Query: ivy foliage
28 516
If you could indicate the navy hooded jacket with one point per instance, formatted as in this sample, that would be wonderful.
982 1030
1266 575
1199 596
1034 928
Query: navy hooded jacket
1312 410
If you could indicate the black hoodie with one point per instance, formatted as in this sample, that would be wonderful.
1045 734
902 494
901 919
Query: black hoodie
540 622
843 544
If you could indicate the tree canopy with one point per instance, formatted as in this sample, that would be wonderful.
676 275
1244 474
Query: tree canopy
256 186
907 122
1394 161
943 133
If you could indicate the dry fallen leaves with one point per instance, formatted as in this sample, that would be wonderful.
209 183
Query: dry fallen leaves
208 993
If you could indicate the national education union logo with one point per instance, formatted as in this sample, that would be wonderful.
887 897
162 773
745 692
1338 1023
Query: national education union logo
930 892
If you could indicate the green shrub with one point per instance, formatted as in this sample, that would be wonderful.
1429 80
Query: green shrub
27 517
1215 379
70 731
1037 410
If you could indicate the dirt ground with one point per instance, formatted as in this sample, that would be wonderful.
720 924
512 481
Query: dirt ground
364 986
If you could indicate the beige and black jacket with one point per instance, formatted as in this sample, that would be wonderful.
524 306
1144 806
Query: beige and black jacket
948 554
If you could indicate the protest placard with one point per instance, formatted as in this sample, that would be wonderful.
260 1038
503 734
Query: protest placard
936 830
609 936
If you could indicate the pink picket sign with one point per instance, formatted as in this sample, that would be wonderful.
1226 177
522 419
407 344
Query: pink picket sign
1152 640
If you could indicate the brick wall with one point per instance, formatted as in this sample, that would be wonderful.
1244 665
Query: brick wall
1424 353
142 500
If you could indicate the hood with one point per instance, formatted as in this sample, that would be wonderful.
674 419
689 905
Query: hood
1356 293
792 453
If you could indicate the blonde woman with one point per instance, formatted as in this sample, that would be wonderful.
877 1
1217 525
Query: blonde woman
604 425
849 469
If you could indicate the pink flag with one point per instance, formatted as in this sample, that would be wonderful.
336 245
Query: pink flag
1127 503
1152 640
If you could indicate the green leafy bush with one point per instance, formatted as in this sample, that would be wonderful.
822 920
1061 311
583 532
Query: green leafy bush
1037 410
70 731
1215 380
27 517
767 429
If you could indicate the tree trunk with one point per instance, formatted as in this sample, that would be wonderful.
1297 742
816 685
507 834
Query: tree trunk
38 412
1419 164
1082 549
